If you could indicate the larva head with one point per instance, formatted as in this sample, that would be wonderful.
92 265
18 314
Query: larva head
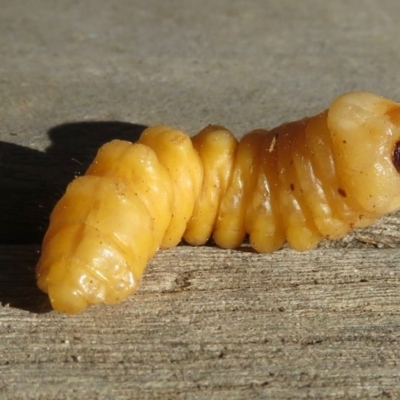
365 131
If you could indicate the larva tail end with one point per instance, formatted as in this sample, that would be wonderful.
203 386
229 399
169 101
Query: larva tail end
66 300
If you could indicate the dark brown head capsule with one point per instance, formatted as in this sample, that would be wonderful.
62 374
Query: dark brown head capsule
396 156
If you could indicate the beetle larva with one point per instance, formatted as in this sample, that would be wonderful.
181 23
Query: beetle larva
303 181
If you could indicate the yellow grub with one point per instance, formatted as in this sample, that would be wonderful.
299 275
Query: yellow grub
300 182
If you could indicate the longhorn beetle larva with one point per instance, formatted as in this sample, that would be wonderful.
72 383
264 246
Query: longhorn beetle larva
320 177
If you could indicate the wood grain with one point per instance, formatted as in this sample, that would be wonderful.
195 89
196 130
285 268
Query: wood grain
209 323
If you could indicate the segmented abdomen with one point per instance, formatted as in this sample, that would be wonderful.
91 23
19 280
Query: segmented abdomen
303 181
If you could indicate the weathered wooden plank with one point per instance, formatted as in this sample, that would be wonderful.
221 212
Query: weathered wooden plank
206 323
212 323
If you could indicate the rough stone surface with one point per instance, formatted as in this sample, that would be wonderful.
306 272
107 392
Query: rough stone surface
206 323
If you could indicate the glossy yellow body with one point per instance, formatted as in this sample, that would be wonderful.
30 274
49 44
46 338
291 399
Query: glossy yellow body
303 181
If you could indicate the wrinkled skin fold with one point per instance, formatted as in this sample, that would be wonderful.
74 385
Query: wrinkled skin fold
320 177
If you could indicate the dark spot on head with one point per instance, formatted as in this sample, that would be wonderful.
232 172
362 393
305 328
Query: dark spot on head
292 187
396 156
342 192
344 141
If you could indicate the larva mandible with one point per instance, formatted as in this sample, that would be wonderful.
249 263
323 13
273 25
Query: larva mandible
316 178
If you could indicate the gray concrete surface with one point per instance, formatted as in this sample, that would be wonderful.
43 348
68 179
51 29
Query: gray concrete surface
207 323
